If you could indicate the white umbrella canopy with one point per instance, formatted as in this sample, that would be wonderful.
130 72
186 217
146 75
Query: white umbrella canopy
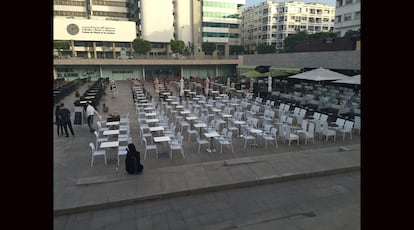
228 84
355 80
181 87
319 74
269 84
207 85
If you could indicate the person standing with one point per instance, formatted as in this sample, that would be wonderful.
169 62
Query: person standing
64 115
90 111
58 121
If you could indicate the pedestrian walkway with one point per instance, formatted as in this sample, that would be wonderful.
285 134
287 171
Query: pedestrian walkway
79 187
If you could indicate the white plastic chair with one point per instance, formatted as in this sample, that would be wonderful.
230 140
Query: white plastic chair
290 136
101 152
226 141
346 129
99 139
328 132
201 142
149 147
309 133
177 145
122 149
247 137
190 132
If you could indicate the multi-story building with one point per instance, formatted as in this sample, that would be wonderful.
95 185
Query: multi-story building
221 23
271 22
160 21
95 28
347 16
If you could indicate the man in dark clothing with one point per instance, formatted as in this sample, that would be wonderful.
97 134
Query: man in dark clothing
58 121
133 160
64 115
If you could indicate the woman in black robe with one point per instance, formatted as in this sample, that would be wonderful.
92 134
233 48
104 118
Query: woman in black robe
133 160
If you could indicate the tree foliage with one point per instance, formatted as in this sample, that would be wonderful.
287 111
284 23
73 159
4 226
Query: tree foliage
353 33
293 39
177 46
290 42
208 48
265 49
61 45
321 35
236 49
141 46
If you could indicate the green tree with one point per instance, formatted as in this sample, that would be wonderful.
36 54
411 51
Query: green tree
290 42
293 39
353 33
141 46
61 45
208 48
265 49
321 35
177 46
236 49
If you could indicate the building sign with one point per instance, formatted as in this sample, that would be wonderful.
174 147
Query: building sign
93 30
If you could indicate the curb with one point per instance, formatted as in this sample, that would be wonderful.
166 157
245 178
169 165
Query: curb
258 181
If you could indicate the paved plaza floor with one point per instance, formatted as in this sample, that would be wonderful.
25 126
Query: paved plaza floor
79 187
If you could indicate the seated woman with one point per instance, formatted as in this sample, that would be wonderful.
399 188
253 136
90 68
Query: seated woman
133 160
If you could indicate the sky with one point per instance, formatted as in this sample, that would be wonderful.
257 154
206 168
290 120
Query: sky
256 2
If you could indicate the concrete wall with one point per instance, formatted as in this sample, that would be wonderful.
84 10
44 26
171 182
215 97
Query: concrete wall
350 60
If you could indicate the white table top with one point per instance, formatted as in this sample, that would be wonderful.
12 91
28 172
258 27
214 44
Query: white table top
191 118
256 131
150 114
185 112
162 139
109 144
156 128
212 134
239 122
112 123
152 120
226 115
200 125
111 132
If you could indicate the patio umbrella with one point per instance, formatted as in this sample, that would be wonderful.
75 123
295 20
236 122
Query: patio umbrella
269 84
319 74
228 84
207 85
181 87
355 80
157 89
251 84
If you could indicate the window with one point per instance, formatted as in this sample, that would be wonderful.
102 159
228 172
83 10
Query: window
338 18
357 15
348 17
348 2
